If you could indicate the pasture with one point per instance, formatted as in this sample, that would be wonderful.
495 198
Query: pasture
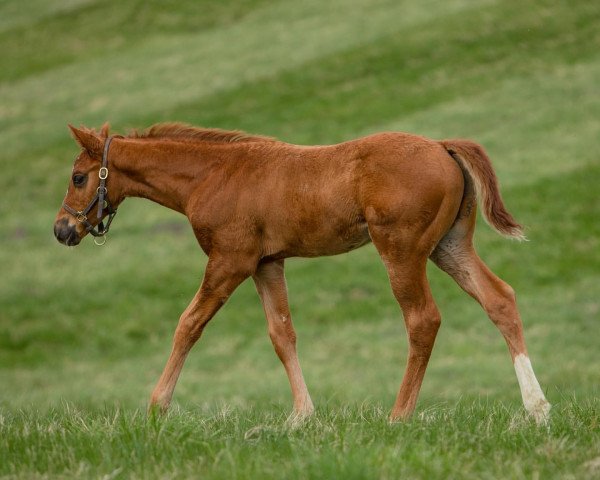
85 332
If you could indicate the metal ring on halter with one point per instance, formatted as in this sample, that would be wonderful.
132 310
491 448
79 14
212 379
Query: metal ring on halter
103 173
100 240
81 217
102 189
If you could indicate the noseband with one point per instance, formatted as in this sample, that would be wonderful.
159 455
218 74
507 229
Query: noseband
101 198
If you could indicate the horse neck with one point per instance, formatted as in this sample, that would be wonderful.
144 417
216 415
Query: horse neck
162 171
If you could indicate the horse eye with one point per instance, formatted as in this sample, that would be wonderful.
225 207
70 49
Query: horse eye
79 180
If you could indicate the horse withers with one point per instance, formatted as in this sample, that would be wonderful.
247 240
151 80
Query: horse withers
254 201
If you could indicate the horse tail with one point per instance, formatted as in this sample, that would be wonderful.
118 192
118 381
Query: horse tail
475 163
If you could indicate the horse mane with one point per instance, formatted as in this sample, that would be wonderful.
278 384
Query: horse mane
183 131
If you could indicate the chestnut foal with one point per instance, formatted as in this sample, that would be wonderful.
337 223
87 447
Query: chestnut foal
253 201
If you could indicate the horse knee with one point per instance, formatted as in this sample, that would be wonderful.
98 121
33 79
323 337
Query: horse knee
282 333
507 293
189 329
423 326
283 338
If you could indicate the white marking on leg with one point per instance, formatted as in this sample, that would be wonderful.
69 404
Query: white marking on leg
533 398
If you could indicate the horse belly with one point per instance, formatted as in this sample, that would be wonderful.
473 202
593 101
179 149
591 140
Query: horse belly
322 237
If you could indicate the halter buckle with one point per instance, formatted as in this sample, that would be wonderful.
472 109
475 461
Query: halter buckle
103 173
81 217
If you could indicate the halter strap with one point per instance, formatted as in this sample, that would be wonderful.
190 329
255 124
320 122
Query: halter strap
103 175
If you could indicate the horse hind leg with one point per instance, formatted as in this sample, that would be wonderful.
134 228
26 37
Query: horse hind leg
422 319
406 269
456 256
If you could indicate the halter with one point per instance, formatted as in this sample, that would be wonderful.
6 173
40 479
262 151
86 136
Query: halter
101 198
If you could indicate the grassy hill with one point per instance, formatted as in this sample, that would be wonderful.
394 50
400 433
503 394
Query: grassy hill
85 332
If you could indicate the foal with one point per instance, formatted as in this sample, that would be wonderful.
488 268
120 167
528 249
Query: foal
253 201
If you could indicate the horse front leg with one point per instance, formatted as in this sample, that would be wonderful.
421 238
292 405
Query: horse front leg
221 278
270 284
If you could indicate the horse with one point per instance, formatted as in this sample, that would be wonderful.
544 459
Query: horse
253 201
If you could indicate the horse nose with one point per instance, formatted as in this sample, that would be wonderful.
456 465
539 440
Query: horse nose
65 233
62 230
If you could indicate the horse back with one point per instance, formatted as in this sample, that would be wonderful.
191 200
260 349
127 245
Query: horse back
287 200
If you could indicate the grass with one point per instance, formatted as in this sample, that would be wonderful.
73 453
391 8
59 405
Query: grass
349 442
85 332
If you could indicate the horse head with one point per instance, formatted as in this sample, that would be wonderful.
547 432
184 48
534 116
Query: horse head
87 201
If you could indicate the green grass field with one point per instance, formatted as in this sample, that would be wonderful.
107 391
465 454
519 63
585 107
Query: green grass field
85 332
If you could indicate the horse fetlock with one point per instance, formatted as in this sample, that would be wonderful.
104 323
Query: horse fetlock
304 407
533 398
400 415
301 414
157 409
159 403
540 411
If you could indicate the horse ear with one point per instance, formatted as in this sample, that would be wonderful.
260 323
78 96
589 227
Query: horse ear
87 140
104 130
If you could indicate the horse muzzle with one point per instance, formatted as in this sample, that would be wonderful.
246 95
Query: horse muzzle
65 233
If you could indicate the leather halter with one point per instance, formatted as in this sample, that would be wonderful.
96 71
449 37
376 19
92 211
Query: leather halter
101 198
